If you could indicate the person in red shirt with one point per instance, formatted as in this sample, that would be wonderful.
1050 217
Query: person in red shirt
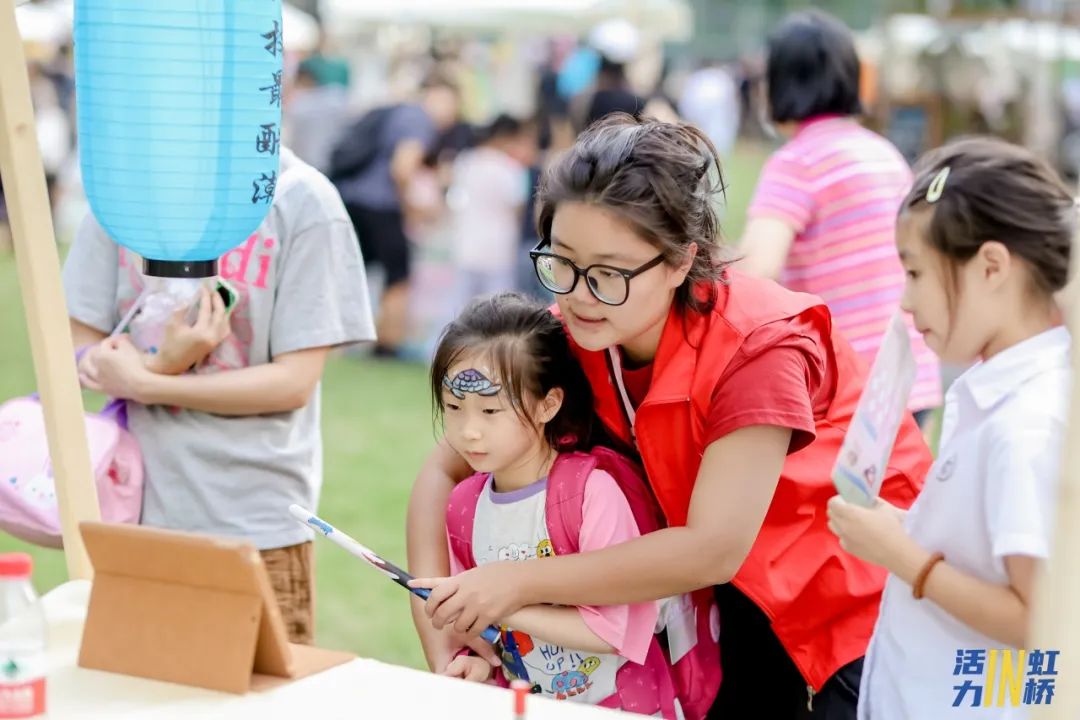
734 392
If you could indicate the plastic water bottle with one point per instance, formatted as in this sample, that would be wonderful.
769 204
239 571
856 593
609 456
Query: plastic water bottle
161 298
22 640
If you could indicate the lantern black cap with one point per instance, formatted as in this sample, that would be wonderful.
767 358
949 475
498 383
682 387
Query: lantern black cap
180 269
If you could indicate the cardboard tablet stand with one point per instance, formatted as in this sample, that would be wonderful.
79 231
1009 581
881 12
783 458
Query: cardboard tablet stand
188 609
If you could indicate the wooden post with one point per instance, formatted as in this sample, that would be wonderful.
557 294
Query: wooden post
38 265
1056 621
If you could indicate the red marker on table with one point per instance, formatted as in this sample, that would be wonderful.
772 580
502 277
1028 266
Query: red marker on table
521 689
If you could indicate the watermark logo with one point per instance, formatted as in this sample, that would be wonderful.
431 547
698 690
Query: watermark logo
1004 677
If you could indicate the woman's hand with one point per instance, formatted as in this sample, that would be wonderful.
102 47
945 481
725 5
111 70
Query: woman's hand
874 534
185 345
479 597
469 667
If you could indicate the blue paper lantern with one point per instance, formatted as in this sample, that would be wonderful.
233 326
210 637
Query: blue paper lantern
179 117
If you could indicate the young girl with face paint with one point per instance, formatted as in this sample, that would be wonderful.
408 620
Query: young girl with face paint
735 393
985 237
513 403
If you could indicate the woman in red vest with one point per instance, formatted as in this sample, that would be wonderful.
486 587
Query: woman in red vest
735 393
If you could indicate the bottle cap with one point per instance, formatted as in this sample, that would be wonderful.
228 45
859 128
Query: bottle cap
15 565
521 690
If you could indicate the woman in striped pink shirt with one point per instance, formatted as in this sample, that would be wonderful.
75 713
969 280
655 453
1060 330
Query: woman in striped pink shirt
823 216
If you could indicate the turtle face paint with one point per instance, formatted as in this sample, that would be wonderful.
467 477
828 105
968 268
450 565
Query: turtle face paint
485 427
470 381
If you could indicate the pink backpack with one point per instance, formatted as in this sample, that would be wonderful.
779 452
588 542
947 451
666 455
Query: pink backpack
28 505
687 665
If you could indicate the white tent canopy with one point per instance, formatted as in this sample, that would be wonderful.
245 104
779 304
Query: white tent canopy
668 19
300 31
46 23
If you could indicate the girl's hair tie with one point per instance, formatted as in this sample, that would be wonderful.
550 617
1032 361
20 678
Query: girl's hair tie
568 440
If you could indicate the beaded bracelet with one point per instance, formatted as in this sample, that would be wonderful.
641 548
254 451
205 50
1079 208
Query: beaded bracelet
918 587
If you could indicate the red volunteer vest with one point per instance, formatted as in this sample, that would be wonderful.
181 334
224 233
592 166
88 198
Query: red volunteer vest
821 601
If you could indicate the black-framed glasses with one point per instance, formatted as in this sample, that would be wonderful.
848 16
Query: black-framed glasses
607 283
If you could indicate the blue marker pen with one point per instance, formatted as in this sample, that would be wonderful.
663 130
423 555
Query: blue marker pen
402 578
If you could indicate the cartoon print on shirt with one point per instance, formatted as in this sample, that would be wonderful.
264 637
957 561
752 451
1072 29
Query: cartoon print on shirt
506 526
565 673
574 682
516 551
523 641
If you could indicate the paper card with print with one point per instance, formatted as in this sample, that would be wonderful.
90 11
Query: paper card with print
868 444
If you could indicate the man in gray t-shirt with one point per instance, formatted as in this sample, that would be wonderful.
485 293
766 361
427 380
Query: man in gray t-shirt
397 142
228 446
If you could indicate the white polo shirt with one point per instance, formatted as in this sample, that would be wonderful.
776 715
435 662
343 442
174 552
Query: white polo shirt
990 494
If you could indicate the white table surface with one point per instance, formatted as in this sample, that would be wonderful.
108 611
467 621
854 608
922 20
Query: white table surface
359 690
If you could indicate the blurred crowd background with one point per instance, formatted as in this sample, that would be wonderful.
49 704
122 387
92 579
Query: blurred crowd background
491 90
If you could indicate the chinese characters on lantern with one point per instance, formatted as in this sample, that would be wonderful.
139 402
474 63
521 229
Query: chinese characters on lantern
268 136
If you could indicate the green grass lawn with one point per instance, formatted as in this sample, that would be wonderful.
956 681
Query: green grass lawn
376 431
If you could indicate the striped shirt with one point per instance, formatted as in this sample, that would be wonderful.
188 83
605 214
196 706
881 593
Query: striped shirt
839 186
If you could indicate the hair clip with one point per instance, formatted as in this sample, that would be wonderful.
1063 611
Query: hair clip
937 185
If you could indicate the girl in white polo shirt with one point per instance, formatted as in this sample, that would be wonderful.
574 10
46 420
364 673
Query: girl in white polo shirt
984 237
